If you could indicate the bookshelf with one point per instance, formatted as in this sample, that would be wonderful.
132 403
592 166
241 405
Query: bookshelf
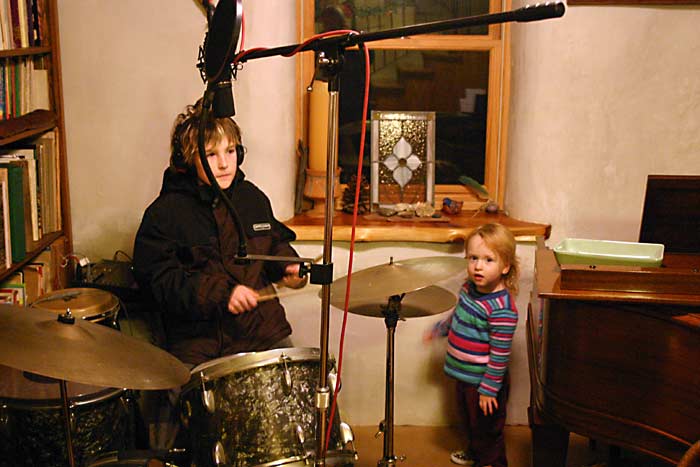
31 119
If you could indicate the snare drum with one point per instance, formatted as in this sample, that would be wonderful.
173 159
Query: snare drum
32 427
257 409
137 459
94 305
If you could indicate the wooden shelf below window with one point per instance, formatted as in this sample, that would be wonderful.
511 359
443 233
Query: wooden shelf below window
309 228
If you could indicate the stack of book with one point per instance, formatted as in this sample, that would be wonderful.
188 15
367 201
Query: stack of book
22 23
24 86
30 196
43 275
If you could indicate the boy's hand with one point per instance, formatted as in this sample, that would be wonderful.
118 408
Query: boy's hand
488 404
291 277
242 299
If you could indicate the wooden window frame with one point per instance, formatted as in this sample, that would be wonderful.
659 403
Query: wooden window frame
496 43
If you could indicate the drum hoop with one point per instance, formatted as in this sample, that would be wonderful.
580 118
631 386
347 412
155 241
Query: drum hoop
302 461
44 404
100 316
223 366
288 460
112 458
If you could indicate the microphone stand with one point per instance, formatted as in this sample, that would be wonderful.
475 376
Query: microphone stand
329 61
328 66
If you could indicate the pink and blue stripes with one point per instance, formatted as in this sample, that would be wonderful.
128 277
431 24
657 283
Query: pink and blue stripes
480 338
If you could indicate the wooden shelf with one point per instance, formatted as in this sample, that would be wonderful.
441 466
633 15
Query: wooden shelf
25 52
43 244
26 126
456 229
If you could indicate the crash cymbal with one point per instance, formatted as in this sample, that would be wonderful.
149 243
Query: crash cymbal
34 340
393 278
431 300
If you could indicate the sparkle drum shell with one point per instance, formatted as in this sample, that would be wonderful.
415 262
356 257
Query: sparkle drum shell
32 428
258 409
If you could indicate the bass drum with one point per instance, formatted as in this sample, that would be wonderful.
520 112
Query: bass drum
94 305
258 408
32 427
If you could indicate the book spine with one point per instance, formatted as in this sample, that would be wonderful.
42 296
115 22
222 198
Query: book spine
31 39
15 24
17 222
2 91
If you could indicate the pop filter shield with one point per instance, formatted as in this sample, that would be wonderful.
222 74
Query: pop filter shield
224 30
219 49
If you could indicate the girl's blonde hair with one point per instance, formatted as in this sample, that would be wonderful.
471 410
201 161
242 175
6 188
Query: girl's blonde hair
502 242
184 137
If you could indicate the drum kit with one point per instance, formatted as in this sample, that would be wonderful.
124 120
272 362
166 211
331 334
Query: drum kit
66 375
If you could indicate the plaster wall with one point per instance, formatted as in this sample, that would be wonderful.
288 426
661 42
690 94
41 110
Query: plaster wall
601 98
129 68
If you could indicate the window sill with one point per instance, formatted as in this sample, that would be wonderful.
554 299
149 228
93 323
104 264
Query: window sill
308 228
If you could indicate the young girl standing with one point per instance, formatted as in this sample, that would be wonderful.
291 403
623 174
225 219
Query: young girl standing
479 337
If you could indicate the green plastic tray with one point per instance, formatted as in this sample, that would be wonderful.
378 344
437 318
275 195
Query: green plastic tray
599 252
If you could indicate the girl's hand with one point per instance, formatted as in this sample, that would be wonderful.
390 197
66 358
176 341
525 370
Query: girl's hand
242 299
291 277
428 336
488 404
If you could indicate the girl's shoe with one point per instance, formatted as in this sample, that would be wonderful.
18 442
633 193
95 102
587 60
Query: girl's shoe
461 458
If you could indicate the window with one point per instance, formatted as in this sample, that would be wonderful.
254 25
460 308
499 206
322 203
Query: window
461 75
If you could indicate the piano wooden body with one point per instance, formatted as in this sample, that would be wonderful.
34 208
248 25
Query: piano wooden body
614 355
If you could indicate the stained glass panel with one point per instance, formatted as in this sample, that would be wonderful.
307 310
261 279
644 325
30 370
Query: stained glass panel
403 158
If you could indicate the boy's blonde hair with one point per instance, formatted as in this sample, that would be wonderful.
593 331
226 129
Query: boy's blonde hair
502 242
184 143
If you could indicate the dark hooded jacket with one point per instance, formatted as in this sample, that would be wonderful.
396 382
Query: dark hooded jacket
184 258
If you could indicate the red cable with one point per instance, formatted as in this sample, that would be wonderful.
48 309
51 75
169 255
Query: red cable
242 30
338 32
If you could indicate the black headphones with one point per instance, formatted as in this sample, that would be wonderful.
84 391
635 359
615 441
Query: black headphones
240 154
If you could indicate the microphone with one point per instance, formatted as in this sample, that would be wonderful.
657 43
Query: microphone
219 49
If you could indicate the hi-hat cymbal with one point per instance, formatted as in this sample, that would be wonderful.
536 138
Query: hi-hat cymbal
409 275
34 340
431 300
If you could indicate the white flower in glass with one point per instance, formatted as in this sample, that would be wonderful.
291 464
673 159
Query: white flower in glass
402 162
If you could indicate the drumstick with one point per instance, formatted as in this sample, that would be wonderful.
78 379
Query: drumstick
270 296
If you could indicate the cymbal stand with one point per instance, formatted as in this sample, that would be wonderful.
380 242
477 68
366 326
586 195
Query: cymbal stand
66 420
68 319
386 426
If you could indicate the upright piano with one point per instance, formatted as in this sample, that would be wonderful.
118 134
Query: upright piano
614 351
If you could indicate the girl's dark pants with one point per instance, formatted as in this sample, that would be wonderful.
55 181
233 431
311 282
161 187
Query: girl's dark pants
487 444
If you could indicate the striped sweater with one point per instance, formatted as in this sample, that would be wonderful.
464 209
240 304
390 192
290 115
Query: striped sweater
480 337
